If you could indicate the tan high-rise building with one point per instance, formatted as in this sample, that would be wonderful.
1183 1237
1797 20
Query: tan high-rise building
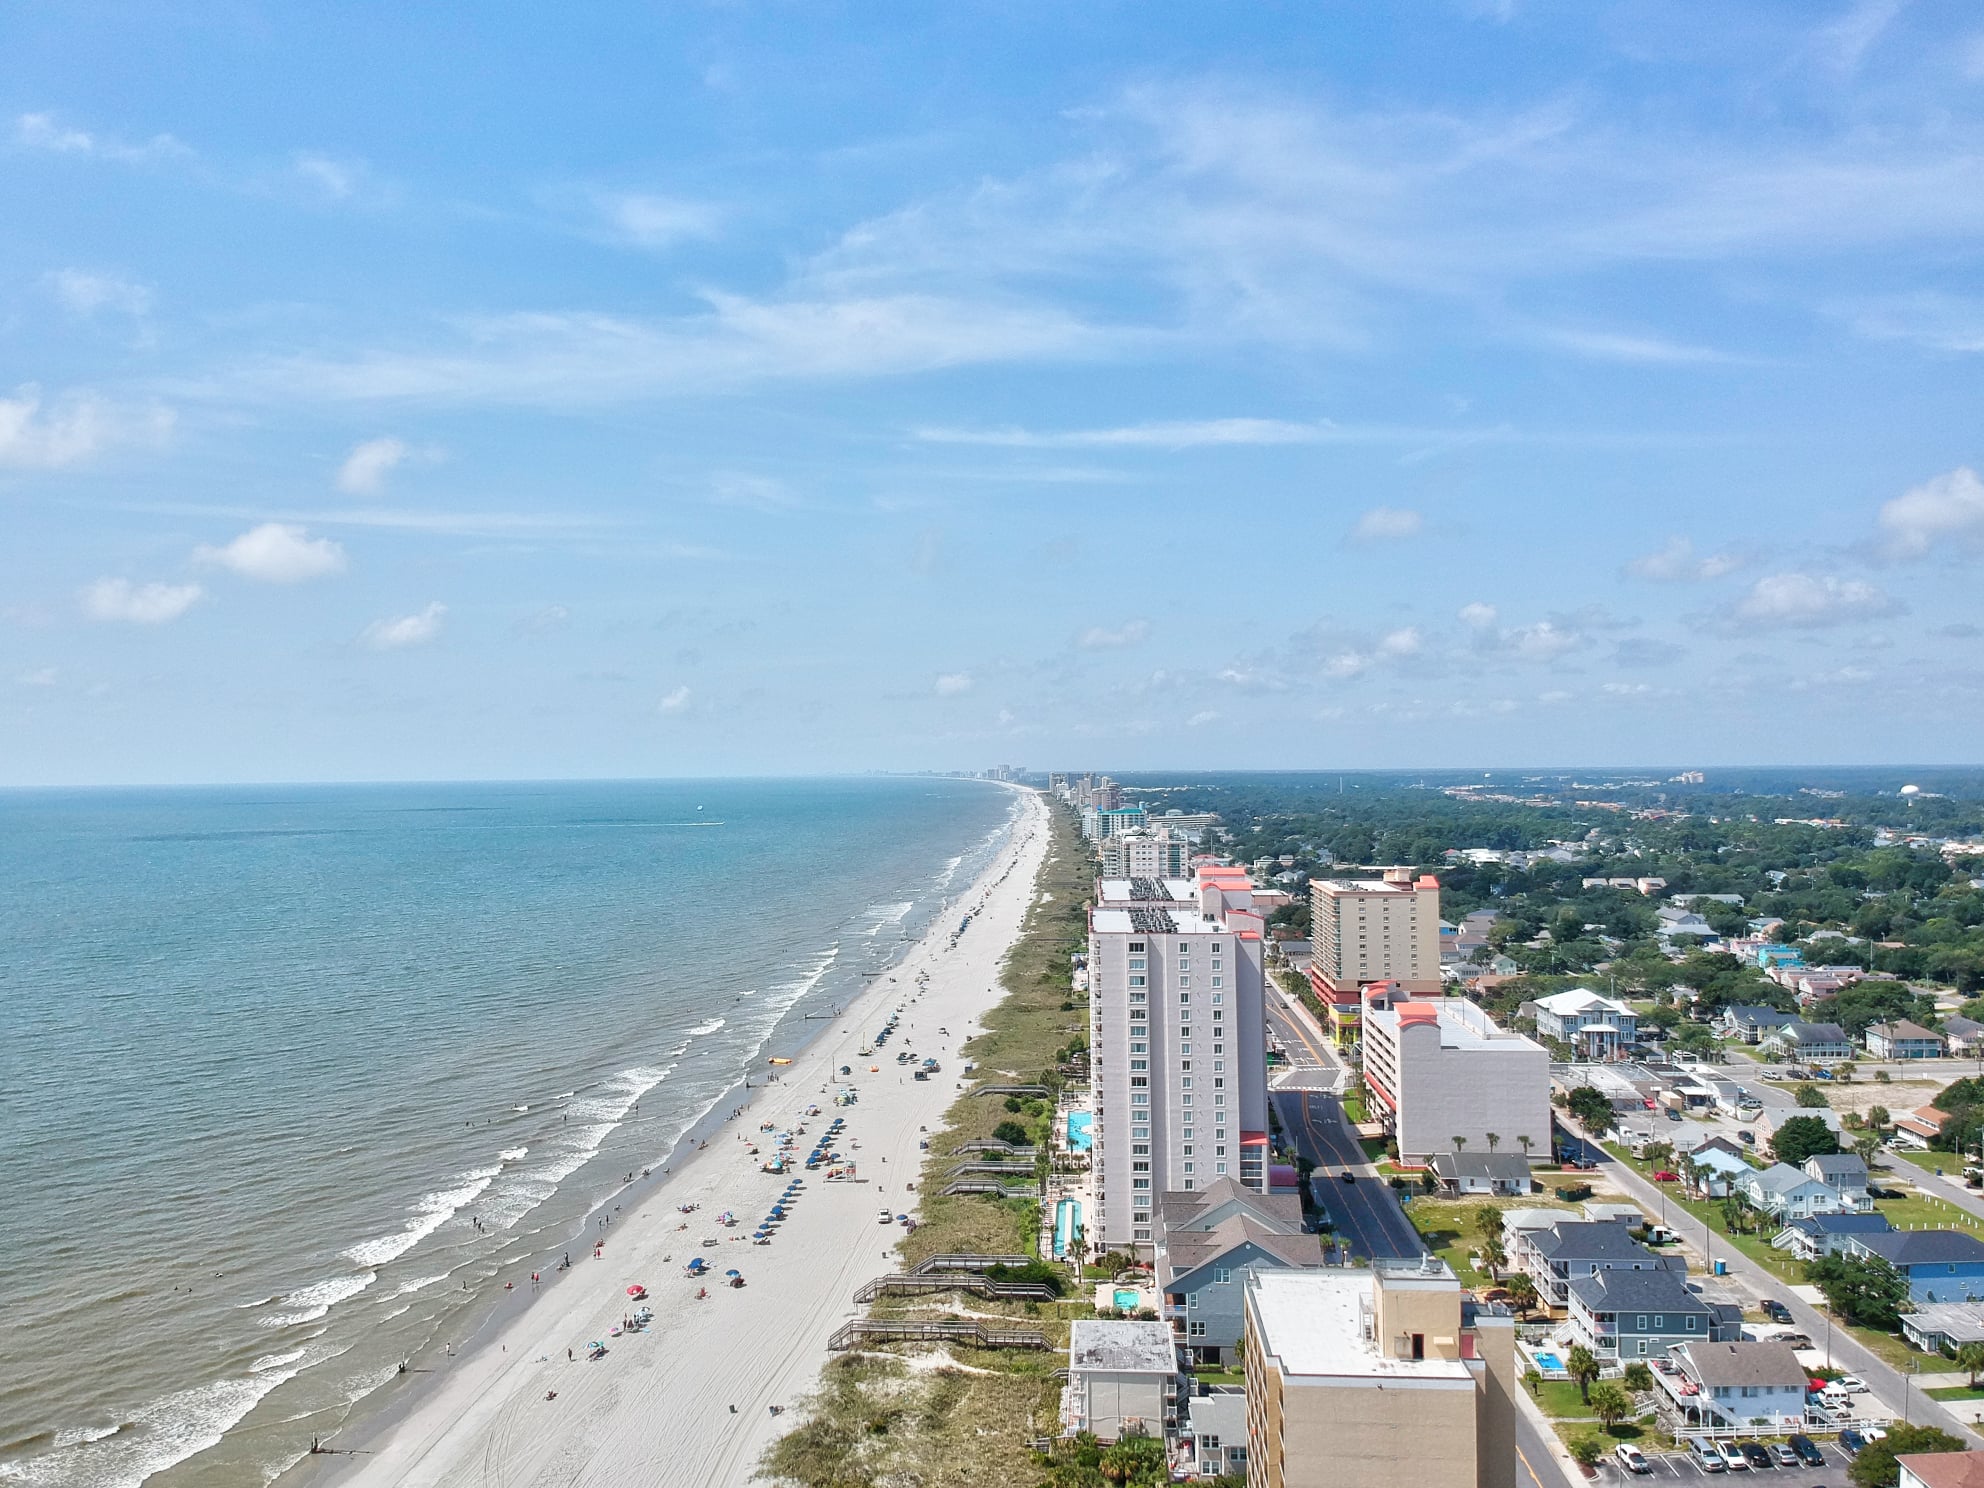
1372 930
1356 1377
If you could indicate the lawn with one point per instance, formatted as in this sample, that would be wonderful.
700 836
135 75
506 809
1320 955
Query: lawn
1922 1212
1958 1392
1447 1225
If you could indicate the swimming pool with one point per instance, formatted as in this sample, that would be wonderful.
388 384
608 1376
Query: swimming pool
1547 1361
1125 1301
1067 1221
1081 1133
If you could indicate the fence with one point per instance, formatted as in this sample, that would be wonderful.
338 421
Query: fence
887 1330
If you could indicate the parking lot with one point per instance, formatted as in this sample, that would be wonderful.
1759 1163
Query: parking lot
1679 1465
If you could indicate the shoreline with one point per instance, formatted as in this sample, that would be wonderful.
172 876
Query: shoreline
473 1409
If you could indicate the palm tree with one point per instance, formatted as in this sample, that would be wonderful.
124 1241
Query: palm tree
1494 1256
1488 1222
1525 1141
1610 1403
1970 1359
1639 1378
1494 1140
1522 1293
1459 1142
1581 1364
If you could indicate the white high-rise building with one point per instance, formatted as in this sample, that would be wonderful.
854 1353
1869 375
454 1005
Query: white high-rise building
1177 1045
1142 853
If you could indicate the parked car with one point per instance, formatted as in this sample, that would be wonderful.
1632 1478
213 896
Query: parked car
1777 1312
1851 1442
1631 1458
1755 1454
1807 1450
1784 1454
1732 1456
1852 1384
1663 1176
1705 1455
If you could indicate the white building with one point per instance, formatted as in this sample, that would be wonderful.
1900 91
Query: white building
1123 1379
1177 1044
1442 1068
1595 1026
1142 853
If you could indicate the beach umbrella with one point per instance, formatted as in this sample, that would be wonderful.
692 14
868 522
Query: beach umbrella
635 1290
733 1273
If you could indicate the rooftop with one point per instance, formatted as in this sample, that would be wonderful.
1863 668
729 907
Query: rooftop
1596 1240
1186 1251
1636 1291
1744 1364
1315 1322
1923 1247
1122 1346
1497 1167
1463 1025
1945 1469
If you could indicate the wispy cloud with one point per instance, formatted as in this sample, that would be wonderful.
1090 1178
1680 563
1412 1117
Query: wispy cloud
42 131
950 684
396 633
1677 562
642 219
1181 434
674 701
139 604
40 435
1804 601
365 469
1107 638
86 293
1948 509
1387 524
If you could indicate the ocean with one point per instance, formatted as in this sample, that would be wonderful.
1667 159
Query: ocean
290 1073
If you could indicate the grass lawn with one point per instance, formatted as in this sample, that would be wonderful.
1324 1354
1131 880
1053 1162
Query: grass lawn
1374 1148
1957 1392
1447 1225
1922 1212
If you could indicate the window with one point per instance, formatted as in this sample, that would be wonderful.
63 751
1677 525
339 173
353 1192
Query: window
1185 1064
1141 1133
1140 1082
1139 1167
1642 1322
1217 964
1219 1152
1219 1167
1659 1322
1220 1135
1219 1100
1219 981
1137 1064
1188 1150
1222 1274
1188 1134
1218 1064
1218 1049
1140 1048
1140 1149
1214 948
1137 997
1218 997
1188 1167
1186 1083
1209 1443
1185 997
1140 1183
1136 948
1219 1084
1218 1014
1136 981
1195 1329
1184 1100
1183 981
1140 1098
1137 963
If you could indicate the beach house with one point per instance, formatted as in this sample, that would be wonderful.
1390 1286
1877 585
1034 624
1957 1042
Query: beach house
1938 1265
1555 1256
1810 1043
1496 1173
1788 1193
1903 1039
1597 1027
1628 1315
1819 1235
1210 1241
1758 1386
1846 1174
1123 1379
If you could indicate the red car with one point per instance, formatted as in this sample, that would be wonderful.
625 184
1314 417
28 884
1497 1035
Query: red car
1663 1176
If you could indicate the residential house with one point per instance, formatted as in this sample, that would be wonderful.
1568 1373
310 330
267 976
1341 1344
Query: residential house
1941 1469
1556 1256
1965 1036
1217 1422
1944 1327
1759 1386
1597 1027
1209 1241
1788 1193
1677 921
1939 1265
1123 1379
1919 1127
1713 1172
1499 1173
1903 1039
1846 1174
1771 1121
1826 1234
1628 1315
1750 1024
1810 1043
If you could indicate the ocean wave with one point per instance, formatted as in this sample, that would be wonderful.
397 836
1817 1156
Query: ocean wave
790 992
166 1432
885 915
79 1436
702 1028
433 1211
943 880
312 1302
421 1282
514 1154
275 1361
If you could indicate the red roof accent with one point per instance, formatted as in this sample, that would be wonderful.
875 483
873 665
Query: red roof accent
1427 881
1253 1139
1413 1014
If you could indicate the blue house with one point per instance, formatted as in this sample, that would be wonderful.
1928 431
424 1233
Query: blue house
1939 1265
1826 1234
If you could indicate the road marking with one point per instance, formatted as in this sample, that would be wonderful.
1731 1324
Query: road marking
1527 1468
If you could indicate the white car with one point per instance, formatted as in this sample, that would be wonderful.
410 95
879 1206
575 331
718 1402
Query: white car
886 1218
1852 1384
1631 1458
1732 1459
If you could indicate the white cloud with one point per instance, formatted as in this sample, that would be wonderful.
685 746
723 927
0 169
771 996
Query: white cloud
644 220
753 492
336 180
1101 638
39 677
85 293
1943 322
1802 601
1636 350
139 604
1627 689
1543 641
1946 509
1555 695
676 701
1180 434
398 632
1405 641
277 553
71 431
1387 524
1477 616
950 684
1201 718
42 132
1677 562
365 469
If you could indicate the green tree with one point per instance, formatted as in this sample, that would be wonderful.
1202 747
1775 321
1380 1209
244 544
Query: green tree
1494 1140
1522 1293
1810 1095
1585 1451
1459 1142
1610 1403
1639 1378
1970 1359
1581 1364
1875 1466
1590 1106
1533 1378
1865 1291
1879 1118
1012 1132
1802 1137
1494 1256
1488 1222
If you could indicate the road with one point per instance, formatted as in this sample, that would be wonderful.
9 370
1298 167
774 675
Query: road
1889 1384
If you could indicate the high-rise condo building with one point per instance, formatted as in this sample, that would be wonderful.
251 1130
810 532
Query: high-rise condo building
1439 1068
1358 1378
1372 930
1177 1045
1143 853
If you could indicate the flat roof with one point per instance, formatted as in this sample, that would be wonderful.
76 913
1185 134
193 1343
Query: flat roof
1122 1346
1313 1321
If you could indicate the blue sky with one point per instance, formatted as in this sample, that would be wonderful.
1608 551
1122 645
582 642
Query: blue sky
514 391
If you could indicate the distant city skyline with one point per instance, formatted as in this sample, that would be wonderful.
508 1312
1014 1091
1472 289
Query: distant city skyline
750 390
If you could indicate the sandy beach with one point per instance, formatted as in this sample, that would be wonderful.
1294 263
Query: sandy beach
657 1408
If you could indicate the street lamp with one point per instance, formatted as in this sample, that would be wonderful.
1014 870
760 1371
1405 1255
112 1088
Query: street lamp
1907 1380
